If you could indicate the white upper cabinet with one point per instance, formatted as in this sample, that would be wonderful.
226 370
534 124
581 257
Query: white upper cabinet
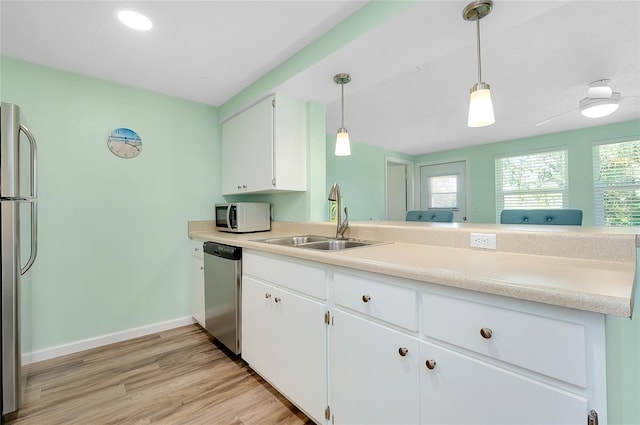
264 148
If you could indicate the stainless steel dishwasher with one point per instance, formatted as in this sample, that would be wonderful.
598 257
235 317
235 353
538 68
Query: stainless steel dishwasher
222 290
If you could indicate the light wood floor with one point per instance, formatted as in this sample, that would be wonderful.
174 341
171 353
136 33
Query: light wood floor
173 377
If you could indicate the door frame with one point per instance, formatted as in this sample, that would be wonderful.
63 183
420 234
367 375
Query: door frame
418 186
409 167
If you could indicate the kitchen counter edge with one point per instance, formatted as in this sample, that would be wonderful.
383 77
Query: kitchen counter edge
561 281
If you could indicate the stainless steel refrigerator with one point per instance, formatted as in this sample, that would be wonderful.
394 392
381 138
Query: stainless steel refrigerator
18 235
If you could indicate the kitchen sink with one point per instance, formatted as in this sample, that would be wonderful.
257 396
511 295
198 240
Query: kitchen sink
321 243
336 244
295 240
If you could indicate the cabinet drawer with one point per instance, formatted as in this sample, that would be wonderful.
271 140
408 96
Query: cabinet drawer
196 249
381 300
287 273
549 346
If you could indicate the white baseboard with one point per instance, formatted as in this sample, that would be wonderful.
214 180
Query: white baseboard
87 344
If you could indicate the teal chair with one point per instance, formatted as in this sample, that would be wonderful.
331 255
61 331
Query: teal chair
430 216
564 217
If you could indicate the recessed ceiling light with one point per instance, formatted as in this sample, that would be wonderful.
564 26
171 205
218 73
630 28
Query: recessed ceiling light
134 20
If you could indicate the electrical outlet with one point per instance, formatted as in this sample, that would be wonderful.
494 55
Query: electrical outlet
483 240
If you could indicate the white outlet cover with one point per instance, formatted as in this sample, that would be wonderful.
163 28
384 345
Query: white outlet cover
483 240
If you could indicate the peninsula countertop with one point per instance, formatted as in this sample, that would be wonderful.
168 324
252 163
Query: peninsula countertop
591 269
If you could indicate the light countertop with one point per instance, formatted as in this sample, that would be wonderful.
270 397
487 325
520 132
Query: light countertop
583 268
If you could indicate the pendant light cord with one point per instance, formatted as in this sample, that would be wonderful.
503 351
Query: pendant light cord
478 40
342 103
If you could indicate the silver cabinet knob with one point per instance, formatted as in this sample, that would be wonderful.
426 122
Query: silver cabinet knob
239 187
431 364
201 267
366 298
267 295
403 351
277 299
244 186
486 333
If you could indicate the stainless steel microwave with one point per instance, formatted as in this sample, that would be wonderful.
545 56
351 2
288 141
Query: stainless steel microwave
243 217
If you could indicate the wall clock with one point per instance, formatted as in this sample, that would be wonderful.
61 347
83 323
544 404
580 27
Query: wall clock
124 143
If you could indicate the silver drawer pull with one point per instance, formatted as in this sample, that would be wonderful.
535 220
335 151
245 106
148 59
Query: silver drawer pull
267 295
486 333
403 351
277 299
366 298
431 364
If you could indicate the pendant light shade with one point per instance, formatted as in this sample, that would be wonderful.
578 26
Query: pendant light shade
343 146
480 105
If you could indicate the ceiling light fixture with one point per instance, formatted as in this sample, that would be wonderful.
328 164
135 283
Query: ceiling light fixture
480 106
600 101
134 20
343 146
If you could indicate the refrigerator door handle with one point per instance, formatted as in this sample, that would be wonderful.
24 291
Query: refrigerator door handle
34 207
32 143
34 237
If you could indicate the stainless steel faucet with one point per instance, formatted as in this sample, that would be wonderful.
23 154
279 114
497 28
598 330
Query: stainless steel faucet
334 195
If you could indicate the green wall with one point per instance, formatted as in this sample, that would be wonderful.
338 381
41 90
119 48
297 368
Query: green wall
623 364
361 177
481 165
112 231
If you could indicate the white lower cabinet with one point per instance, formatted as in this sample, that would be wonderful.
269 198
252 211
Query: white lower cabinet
373 373
284 339
458 389
396 351
197 282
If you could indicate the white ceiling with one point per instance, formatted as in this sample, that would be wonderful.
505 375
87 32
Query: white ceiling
206 51
410 76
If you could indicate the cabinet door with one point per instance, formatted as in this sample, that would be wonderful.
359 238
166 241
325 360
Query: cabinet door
284 339
247 150
371 381
197 283
460 389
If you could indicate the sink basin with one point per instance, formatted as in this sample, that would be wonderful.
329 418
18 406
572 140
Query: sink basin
322 243
336 244
294 240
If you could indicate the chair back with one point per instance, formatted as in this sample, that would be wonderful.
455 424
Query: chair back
565 217
432 216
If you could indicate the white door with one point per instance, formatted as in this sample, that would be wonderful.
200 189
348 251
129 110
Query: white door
372 382
456 389
284 339
399 188
443 187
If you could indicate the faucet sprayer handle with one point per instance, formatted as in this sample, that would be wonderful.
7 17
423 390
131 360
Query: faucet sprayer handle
346 216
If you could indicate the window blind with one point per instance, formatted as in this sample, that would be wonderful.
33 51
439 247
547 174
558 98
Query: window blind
616 183
535 180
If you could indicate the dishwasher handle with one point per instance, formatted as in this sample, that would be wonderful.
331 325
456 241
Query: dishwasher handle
223 251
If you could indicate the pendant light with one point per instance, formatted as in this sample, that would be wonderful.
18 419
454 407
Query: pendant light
480 106
343 146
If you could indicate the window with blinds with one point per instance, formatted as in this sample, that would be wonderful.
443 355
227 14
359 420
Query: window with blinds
534 180
616 183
